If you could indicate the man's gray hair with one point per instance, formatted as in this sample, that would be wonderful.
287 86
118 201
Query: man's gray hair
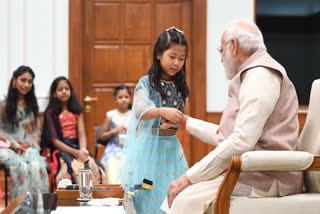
247 34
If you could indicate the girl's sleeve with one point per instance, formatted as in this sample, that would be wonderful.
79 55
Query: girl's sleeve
49 132
142 102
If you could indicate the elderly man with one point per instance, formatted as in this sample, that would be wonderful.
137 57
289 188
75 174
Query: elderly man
261 114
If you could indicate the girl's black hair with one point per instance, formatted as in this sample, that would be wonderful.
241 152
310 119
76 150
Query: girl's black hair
122 87
166 39
119 88
73 104
10 111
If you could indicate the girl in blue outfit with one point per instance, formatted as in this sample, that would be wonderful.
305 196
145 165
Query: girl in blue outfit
20 127
152 152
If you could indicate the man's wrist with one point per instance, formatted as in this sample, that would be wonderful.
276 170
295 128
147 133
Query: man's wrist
183 121
186 180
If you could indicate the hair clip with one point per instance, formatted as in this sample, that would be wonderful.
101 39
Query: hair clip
174 28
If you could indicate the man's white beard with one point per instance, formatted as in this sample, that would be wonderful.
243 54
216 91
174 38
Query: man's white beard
230 67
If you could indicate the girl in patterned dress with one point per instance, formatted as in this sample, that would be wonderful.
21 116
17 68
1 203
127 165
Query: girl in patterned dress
153 152
63 131
20 126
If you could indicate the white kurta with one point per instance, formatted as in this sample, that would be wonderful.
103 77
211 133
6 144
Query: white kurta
259 92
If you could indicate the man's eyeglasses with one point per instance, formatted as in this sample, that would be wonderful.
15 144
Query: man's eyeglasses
174 28
220 49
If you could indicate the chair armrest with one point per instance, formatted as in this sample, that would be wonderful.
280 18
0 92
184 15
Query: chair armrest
222 202
275 161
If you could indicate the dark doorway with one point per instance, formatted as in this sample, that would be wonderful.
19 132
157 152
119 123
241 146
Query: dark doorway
292 35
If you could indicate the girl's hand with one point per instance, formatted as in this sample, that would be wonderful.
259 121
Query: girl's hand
81 156
171 114
3 138
18 149
165 124
24 144
85 151
121 129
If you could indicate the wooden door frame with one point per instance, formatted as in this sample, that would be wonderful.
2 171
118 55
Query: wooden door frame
198 58
76 41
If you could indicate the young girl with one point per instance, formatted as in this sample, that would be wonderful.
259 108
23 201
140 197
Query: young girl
114 131
20 126
152 152
63 130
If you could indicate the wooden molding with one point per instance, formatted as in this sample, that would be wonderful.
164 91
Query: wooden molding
76 25
198 75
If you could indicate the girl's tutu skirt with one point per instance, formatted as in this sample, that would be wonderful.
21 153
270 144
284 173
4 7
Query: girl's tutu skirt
161 161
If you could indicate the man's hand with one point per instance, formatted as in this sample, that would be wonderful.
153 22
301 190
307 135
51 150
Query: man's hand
176 187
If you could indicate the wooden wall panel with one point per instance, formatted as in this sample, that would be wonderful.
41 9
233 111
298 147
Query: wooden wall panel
138 22
103 105
137 61
186 14
146 1
167 15
106 22
107 64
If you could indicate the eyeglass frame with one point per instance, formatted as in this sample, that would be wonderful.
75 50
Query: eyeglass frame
220 49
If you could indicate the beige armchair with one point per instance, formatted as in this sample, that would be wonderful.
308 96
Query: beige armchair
305 160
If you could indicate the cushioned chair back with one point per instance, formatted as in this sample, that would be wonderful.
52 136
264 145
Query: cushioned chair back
310 136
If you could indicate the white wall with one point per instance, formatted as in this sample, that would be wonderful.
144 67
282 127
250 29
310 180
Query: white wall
34 33
219 14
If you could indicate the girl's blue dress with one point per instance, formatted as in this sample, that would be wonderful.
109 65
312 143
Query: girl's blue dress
148 155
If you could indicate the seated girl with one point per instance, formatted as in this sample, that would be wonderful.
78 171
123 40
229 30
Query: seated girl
20 127
63 130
